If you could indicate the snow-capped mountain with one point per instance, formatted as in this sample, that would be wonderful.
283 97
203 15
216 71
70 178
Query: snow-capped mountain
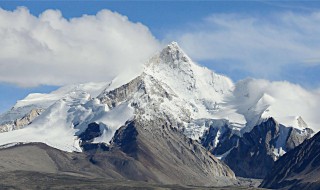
171 86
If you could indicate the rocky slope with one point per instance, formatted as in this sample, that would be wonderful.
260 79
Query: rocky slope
298 169
167 155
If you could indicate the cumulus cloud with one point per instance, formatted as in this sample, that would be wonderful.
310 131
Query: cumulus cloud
265 46
52 50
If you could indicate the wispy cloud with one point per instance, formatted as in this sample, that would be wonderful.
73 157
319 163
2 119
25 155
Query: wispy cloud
297 5
261 45
52 50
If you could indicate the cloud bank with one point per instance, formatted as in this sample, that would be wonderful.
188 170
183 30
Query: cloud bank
262 46
49 49
52 50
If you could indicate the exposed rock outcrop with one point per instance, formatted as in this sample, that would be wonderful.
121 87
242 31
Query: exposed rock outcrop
21 122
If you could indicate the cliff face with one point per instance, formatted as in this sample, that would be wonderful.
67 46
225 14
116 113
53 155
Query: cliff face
298 169
254 153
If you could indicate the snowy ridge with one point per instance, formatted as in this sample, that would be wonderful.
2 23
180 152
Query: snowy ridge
43 101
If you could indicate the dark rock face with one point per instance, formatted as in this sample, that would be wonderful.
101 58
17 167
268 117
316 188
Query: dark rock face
93 130
222 134
298 169
126 139
94 147
252 157
253 154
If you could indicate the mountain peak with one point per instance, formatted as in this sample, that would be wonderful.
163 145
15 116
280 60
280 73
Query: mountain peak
172 64
174 45
173 54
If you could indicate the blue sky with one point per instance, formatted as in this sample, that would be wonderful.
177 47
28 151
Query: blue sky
234 38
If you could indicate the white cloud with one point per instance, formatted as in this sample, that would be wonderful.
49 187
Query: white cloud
52 50
260 45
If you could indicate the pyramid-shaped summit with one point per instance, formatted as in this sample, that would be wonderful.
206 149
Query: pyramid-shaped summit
174 57
173 67
174 54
